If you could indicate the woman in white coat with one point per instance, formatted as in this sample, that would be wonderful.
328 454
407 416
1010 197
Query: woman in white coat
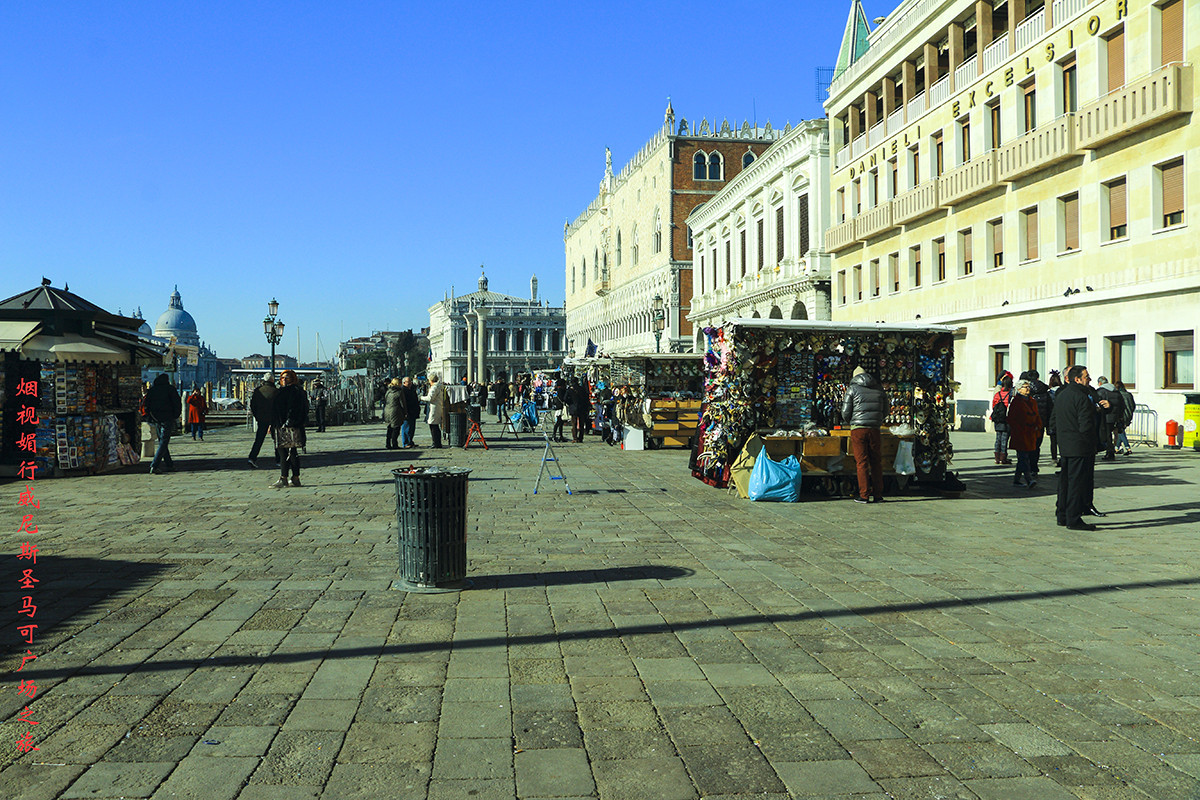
438 416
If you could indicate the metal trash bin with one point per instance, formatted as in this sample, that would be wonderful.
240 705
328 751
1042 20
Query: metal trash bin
491 406
431 523
475 412
456 434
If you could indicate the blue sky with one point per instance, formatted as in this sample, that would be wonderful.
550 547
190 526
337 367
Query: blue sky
352 159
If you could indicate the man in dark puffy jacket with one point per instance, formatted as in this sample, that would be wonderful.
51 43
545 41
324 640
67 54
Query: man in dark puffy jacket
261 403
864 409
163 406
1077 421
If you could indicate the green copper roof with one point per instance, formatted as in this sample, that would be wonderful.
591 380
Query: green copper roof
854 40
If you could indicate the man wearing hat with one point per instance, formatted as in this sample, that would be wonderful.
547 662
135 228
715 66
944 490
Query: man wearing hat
320 397
261 403
864 409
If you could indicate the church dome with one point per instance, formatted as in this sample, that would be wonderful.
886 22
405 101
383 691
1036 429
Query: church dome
177 322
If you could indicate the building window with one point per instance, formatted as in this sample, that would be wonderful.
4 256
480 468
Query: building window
893 180
996 242
939 247
1170 192
802 223
938 163
841 205
702 273
713 256
689 235
873 189
633 249
742 250
501 341
657 232
538 341
914 166
779 235
1000 359
1029 105
1122 355
1170 32
1069 211
994 129
964 140
555 340
1116 210
761 244
1114 52
914 267
747 159
1070 90
596 264
700 167
1076 352
728 262
518 340
1035 357
841 282
716 167
1177 360
967 255
894 271
572 277
583 273
858 284
1029 234
856 197
875 279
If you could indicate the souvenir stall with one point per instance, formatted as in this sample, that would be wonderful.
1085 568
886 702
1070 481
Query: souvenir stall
660 401
87 365
784 381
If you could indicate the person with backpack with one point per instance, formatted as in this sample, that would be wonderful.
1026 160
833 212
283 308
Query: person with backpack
999 416
1111 414
162 410
262 408
1125 417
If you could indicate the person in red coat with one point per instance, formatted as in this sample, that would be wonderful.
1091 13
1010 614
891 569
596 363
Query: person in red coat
197 410
1025 424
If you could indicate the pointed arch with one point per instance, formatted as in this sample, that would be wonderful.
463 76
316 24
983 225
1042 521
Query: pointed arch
700 166
657 231
716 167
618 247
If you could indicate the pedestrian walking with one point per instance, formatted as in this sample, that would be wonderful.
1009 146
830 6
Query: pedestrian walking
197 410
289 418
439 413
579 404
1025 424
1077 422
864 409
412 410
262 408
393 413
1054 385
1044 400
1109 416
163 407
558 408
500 393
320 400
999 417
1126 409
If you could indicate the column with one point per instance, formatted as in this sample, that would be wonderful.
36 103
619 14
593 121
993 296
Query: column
908 77
931 69
889 96
983 30
481 314
854 131
1016 15
956 50
470 348
872 102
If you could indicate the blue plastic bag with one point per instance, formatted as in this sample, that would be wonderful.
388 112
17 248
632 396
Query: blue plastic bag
775 480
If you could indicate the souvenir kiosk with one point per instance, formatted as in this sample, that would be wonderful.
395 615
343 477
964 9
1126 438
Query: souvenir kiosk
784 381
661 403
87 364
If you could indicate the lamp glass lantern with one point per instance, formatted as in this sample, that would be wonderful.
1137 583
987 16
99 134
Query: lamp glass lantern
273 306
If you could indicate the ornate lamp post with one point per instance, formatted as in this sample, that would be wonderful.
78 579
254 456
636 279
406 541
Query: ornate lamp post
273 328
660 321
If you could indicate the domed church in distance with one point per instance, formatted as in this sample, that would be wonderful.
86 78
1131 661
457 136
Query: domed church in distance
178 323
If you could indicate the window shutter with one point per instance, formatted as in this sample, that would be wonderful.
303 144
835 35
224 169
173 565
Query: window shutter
802 213
1071 223
1172 188
1116 60
728 263
1116 204
761 245
701 273
1172 31
966 243
998 237
1030 104
1178 342
743 251
779 235
1031 234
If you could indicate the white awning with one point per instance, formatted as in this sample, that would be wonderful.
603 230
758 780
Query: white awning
13 333
73 347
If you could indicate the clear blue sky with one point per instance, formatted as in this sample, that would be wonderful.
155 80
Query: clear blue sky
352 159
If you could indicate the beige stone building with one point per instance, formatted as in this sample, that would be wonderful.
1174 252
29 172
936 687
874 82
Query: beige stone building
1019 169
631 244
758 244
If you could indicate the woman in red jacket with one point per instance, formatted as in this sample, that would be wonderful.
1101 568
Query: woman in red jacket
197 410
1025 424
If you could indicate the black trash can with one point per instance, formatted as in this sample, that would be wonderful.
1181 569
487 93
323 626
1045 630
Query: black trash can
475 412
491 407
431 523
457 432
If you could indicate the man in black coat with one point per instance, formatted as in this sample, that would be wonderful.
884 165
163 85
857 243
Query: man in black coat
261 403
1109 417
1077 422
162 407
864 409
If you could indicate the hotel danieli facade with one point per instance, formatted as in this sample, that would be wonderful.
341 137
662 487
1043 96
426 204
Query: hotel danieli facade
1021 170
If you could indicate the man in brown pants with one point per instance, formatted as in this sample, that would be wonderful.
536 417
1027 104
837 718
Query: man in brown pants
864 409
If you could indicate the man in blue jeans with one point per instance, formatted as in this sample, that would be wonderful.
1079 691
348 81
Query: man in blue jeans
162 408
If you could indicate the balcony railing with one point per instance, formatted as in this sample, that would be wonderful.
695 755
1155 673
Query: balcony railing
996 53
916 107
876 134
1030 29
840 236
939 92
1037 149
875 221
895 121
843 157
974 177
966 72
1065 9
1138 104
858 146
917 202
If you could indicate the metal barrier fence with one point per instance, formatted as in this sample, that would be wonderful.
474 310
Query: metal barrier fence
1144 427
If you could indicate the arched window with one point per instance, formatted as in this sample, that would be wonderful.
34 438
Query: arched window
538 341
715 167
583 273
633 249
799 311
555 341
572 277
501 341
595 264
776 313
700 166
618 247
747 159
657 232
518 340
462 339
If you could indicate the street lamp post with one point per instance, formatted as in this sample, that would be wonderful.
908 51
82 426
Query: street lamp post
660 320
273 328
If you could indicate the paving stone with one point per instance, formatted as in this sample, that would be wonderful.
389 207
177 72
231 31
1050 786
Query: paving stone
818 778
119 779
302 758
629 778
558 772
733 767
458 759
475 720
536 730
400 780
497 789
235 741
200 778
1019 789
321 715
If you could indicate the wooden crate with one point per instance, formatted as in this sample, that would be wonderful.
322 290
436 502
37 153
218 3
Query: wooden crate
779 448
822 446
676 441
